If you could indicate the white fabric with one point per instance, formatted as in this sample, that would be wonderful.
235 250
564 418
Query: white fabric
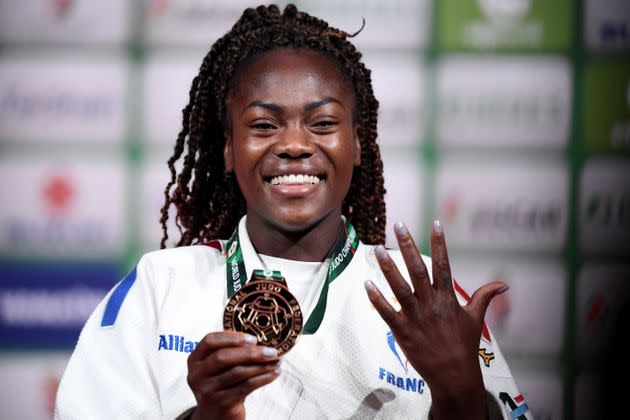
345 370
305 279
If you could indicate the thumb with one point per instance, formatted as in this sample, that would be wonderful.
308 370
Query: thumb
481 298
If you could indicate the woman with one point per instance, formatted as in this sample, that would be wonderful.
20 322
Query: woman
280 156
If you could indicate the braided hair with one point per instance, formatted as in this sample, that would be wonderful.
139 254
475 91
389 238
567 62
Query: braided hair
208 201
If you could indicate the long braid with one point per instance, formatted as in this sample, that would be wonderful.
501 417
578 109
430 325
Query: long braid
208 201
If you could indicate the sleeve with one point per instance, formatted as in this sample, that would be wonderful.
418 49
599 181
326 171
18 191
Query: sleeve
503 393
110 375
504 399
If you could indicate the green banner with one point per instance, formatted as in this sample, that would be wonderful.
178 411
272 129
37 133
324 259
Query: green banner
606 106
504 24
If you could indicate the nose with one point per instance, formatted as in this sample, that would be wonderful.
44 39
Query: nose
294 143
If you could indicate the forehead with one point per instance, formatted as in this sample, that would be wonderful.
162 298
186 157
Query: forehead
296 71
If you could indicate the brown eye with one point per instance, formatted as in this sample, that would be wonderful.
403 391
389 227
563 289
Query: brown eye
263 126
325 123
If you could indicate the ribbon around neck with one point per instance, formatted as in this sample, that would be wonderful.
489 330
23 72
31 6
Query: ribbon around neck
339 257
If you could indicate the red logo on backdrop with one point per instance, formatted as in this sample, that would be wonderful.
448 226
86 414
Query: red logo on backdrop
58 194
450 208
157 8
61 8
596 311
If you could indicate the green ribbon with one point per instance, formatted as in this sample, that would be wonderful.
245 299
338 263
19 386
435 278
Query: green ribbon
339 258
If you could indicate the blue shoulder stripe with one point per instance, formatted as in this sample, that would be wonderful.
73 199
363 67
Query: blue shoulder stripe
116 299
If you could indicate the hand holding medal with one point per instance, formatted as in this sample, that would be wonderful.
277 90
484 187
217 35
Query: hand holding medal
266 309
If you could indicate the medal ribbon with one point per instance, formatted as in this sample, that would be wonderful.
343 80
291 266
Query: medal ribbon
340 257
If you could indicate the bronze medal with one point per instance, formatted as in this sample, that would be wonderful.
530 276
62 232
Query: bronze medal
265 308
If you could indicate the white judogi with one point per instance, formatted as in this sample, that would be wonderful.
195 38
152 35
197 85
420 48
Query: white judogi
130 361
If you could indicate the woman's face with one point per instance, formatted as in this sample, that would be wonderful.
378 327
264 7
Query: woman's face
292 142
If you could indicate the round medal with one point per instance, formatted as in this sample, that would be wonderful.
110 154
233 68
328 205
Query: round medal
266 309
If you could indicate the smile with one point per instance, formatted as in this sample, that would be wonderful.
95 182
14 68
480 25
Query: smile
293 179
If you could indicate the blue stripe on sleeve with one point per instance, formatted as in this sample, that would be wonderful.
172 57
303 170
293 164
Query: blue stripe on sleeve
116 299
519 411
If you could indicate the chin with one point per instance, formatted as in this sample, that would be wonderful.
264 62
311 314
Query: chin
296 221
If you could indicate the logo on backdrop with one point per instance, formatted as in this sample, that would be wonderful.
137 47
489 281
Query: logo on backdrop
517 218
614 31
157 8
506 24
596 312
193 10
505 12
58 219
450 208
21 103
605 209
58 194
61 8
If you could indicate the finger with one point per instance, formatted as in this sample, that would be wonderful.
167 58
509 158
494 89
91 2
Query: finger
229 396
483 296
442 279
236 375
243 389
218 340
415 266
384 309
229 357
399 286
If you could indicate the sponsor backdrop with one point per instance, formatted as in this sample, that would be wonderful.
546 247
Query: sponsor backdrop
507 119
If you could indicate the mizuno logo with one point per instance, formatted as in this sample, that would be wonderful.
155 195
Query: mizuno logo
486 357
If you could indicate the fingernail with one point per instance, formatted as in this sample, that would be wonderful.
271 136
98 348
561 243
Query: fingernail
503 289
400 229
381 253
269 351
369 285
278 370
437 226
250 339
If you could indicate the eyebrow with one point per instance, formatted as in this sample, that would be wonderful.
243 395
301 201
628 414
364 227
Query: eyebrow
322 102
278 108
264 104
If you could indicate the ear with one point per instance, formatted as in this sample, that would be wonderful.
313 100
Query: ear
228 159
357 146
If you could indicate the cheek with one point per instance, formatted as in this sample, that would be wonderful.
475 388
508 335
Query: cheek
248 154
344 156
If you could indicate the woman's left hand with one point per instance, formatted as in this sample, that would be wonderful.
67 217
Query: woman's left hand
439 336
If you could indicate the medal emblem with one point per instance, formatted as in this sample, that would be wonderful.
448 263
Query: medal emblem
265 308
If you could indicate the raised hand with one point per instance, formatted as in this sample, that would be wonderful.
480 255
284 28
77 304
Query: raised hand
224 369
439 336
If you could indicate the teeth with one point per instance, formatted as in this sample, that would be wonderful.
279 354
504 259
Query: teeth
294 179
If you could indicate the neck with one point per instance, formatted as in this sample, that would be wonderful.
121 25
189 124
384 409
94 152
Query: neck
311 244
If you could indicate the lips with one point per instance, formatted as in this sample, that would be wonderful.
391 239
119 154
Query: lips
295 182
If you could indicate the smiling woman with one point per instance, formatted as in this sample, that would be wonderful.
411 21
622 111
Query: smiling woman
291 120
281 203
